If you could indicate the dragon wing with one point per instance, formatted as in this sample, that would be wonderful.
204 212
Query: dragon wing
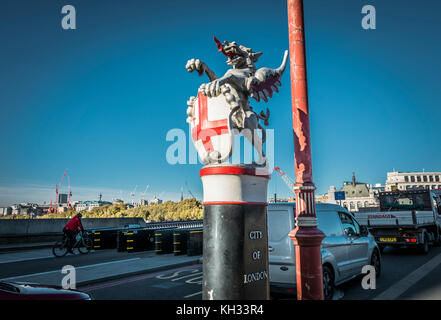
265 81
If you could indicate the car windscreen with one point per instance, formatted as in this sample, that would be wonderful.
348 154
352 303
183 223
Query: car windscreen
279 225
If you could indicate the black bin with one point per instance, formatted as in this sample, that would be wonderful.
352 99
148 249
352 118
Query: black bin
194 242
180 237
121 243
140 240
103 238
164 240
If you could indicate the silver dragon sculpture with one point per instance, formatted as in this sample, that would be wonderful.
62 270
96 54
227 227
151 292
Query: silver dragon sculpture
238 84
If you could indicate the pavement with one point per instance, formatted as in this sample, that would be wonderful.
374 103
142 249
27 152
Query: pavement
40 266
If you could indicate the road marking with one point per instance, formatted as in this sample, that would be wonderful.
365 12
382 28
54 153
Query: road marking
58 271
193 294
397 289
127 280
188 275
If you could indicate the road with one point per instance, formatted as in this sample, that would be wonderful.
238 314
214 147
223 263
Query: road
176 284
406 274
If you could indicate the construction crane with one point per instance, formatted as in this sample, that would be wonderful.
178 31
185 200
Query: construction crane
70 193
188 189
288 181
56 192
143 194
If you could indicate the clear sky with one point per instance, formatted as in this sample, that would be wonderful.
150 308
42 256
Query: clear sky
99 100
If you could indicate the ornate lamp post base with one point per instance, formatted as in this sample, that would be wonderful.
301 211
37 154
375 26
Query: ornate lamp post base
307 241
235 252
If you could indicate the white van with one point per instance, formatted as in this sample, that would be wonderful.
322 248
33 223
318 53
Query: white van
346 248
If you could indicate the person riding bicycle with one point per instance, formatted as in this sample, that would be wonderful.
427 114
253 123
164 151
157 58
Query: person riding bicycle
71 229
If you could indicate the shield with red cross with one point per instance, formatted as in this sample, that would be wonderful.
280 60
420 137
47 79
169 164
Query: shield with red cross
210 130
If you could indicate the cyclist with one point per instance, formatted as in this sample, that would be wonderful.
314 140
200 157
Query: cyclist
71 229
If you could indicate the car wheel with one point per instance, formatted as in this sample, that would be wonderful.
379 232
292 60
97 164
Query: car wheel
376 263
381 248
328 283
437 242
424 248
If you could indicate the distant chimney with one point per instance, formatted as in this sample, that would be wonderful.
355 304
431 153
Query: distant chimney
353 178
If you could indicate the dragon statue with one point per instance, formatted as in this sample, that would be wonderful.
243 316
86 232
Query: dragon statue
238 84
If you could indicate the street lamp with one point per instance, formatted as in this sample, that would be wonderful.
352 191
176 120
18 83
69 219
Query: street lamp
306 236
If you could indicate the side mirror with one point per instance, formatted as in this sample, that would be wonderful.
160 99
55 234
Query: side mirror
364 232
349 232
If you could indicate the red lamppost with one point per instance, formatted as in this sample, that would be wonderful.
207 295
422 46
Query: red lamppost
306 236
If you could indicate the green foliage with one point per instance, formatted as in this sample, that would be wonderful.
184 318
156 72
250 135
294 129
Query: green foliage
188 209
16 216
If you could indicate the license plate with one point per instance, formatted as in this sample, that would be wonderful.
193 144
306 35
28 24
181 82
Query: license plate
388 239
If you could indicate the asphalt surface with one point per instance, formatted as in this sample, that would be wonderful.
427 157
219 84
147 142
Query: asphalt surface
48 262
398 263
176 284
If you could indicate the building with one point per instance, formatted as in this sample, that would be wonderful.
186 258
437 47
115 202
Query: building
117 201
25 208
413 180
5 211
144 202
155 201
62 198
358 195
90 204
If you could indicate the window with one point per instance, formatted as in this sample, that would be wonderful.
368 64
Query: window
406 178
431 178
280 224
418 178
351 206
412 179
329 223
425 178
350 227
437 178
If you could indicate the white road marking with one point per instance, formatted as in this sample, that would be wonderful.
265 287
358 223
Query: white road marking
193 294
188 275
396 290
58 271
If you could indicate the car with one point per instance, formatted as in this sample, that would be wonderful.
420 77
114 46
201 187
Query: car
346 248
34 291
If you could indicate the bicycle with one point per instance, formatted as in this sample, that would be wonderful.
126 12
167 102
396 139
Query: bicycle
82 242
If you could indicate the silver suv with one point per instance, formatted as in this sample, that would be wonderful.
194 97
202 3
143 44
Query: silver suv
346 248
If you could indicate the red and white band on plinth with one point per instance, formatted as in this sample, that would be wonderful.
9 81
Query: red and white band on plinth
234 184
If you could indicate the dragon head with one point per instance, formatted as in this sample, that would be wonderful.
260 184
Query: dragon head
238 56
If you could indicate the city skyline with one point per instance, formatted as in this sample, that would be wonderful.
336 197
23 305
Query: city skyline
100 99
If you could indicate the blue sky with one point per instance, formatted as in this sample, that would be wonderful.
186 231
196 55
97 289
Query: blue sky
99 100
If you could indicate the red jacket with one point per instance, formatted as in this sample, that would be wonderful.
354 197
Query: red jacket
74 224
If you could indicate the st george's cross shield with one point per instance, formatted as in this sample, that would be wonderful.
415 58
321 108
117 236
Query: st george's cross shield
210 129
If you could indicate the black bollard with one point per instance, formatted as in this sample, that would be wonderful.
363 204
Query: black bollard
235 242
